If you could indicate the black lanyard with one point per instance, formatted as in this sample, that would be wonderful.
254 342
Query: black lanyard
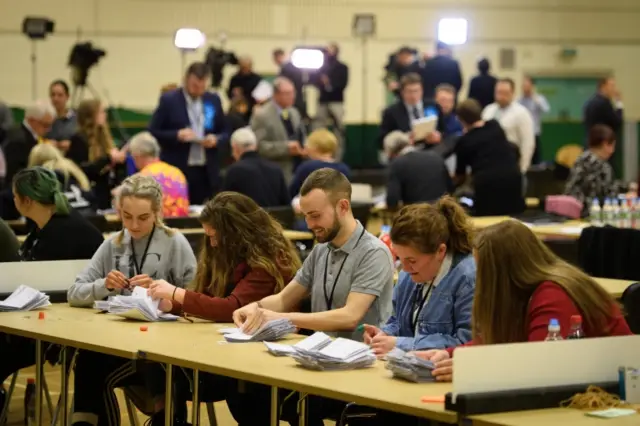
415 308
138 270
328 298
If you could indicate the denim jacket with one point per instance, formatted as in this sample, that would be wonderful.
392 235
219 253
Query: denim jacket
445 320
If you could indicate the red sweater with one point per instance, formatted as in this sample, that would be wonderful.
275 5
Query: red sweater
549 301
249 285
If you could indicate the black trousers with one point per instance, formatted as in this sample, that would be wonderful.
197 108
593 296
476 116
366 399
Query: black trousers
537 152
212 388
96 377
200 188
16 353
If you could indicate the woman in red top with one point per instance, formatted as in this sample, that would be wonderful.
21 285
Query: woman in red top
520 286
246 257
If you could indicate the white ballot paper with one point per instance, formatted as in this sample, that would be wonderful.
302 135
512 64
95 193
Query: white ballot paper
24 298
423 126
139 306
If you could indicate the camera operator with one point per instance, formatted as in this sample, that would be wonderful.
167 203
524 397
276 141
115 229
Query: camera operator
243 83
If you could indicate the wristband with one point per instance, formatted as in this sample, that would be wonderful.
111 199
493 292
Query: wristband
173 295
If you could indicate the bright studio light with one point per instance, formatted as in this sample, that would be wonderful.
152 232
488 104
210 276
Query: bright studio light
189 39
452 31
307 58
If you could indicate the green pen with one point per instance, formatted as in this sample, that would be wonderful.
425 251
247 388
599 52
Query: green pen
360 327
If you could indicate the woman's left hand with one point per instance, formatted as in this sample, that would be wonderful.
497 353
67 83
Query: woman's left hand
142 280
382 344
160 289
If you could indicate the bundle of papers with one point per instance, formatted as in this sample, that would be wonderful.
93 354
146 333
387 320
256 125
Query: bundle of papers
103 305
24 298
423 126
409 367
341 354
272 330
313 343
139 306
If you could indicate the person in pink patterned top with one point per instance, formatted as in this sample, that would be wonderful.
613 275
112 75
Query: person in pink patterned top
145 150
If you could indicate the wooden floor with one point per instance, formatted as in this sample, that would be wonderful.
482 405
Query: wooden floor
52 374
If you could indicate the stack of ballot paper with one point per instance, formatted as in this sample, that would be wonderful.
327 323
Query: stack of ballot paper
272 330
409 367
24 298
422 127
139 306
341 354
313 343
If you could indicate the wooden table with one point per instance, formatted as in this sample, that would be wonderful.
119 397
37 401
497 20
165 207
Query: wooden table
567 230
250 361
551 417
614 287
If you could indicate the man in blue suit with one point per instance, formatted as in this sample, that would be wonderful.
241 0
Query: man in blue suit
189 124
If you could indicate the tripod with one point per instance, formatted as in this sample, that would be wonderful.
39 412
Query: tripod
34 70
77 94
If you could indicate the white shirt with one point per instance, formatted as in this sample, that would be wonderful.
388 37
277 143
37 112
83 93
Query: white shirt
517 124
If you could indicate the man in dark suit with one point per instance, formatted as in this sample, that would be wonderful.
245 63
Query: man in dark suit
255 177
410 107
441 69
604 107
483 86
415 176
403 62
294 75
243 83
189 124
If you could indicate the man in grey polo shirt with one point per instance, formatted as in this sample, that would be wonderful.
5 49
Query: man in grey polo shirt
349 274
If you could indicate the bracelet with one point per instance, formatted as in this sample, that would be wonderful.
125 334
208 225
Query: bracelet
173 296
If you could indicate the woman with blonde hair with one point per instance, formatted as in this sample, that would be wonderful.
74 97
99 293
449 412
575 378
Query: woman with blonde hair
50 157
93 150
521 286
245 258
144 251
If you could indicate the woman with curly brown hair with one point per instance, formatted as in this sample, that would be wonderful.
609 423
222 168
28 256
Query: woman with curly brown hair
93 150
246 257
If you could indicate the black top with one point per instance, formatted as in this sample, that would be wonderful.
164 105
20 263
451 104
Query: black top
258 179
482 88
8 244
600 110
247 84
16 147
62 238
338 75
417 176
96 170
484 149
441 70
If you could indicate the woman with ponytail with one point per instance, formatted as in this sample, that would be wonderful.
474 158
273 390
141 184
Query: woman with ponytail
60 233
433 299
144 251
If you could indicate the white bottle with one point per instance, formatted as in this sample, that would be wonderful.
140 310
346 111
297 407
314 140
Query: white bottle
624 216
554 331
608 214
595 213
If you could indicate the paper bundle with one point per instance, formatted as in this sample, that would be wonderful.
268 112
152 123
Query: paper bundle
139 306
272 330
341 354
313 343
24 298
409 367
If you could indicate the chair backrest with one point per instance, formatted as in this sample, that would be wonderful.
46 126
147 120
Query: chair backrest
362 211
631 301
283 214
186 222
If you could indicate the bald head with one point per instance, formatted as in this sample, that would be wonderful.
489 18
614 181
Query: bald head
243 140
284 93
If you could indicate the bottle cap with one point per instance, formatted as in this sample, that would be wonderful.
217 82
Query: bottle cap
576 319
554 323
143 328
40 315
31 381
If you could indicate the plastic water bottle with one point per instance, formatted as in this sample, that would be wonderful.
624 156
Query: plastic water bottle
30 403
554 331
595 213
608 213
624 216
576 328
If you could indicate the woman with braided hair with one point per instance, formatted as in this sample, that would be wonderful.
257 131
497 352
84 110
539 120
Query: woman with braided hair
145 250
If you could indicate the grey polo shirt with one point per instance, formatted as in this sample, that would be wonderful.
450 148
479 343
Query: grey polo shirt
368 269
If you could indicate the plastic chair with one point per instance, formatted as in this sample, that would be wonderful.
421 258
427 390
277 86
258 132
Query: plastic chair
631 301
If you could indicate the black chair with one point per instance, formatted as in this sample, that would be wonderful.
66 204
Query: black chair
186 222
610 252
283 214
631 302
362 212
103 225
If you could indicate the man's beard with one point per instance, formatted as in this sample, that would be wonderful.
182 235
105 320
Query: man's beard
332 232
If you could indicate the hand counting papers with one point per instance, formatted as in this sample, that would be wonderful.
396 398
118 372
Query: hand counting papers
409 367
139 306
313 343
341 354
271 330
24 298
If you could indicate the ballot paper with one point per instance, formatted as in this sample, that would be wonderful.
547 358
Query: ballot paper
139 306
409 367
272 330
423 126
263 91
24 298
341 354
315 342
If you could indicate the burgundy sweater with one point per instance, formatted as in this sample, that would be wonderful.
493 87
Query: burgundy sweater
249 285
549 301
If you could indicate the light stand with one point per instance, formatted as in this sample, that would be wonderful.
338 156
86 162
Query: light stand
36 28
364 27
307 60
187 40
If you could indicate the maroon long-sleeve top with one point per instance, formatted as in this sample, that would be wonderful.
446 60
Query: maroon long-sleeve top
249 285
